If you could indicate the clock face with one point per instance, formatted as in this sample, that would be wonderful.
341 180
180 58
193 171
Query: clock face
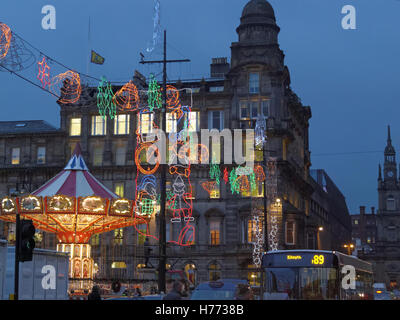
390 173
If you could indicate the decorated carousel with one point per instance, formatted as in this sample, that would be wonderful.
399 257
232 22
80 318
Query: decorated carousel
74 205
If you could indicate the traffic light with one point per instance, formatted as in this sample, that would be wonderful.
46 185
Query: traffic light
26 240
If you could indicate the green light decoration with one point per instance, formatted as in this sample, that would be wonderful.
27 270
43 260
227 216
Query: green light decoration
242 171
154 94
215 172
105 99
169 196
235 187
147 206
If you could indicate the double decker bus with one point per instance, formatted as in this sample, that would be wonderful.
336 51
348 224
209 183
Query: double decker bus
315 275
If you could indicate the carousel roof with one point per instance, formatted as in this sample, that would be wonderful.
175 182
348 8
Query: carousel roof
75 181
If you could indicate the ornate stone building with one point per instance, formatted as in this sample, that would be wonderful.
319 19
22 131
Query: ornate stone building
255 82
386 256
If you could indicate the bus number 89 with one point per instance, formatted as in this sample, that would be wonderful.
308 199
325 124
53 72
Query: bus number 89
318 259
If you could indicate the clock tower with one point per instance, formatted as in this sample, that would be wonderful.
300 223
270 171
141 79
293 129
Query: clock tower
386 256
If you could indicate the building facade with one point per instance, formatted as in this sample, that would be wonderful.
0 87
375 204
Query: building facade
255 83
364 230
386 257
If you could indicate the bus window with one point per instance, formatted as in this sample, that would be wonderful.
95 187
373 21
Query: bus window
317 283
282 282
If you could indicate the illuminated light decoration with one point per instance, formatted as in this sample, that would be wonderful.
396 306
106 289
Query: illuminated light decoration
226 175
44 73
69 86
18 57
215 173
273 234
127 98
259 173
173 101
209 186
5 39
105 99
149 149
63 206
156 27
258 244
242 179
154 94
260 129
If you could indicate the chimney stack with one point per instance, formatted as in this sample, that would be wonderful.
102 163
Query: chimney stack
362 210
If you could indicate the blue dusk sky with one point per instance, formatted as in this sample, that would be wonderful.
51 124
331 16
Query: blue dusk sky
348 77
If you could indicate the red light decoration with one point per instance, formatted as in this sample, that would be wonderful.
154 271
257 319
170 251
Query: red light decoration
209 186
259 173
69 85
5 39
127 98
173 101
226 175
44 73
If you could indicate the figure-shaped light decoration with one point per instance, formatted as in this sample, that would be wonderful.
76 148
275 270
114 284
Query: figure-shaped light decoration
127 98
5 39
105 101
154 94
44 73
68 86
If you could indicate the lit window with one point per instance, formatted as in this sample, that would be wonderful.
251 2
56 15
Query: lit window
95 240
252 230
118 236
15 155
244 111
118 265
214 270
290 232
215 233
194 121
41 155
216 120
98 156
254 83
145 124
121 124
119 189
356 221
171 122
215 193
75 128
98 126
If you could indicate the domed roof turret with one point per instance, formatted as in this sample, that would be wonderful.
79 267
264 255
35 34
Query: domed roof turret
258 11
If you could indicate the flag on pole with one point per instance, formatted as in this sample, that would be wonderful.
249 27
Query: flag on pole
96 58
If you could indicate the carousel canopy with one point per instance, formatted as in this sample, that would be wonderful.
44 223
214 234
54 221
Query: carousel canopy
75 181
74 205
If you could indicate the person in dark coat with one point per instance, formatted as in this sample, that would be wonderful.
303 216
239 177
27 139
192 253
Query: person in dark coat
175 293
95 294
